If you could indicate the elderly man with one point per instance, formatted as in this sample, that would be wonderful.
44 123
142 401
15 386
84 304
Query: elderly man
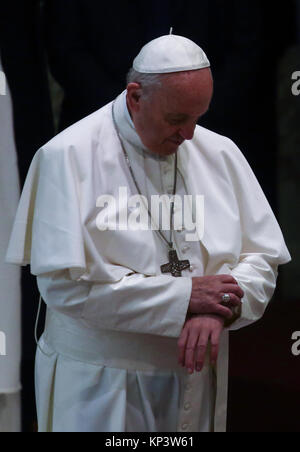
136 337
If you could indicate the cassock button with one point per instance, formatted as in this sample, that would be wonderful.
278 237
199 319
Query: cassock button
187 406
184 426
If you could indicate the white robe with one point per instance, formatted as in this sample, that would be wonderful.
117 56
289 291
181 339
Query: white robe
108 358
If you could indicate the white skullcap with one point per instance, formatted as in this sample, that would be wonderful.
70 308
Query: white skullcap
168 54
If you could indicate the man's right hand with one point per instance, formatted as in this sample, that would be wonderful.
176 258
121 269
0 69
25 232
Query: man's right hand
207 295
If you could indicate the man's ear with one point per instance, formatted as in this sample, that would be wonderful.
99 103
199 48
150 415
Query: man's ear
134 92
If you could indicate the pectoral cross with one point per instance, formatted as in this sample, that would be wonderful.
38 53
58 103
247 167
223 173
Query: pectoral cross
175 266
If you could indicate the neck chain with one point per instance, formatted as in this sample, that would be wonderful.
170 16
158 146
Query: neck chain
174 266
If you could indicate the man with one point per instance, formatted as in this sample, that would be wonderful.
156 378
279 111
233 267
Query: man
138 318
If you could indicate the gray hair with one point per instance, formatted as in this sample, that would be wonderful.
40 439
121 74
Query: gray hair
148 82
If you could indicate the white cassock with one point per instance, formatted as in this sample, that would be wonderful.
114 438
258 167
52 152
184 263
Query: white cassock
107 360
10 290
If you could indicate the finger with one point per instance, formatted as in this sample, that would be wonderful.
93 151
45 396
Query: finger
181 344
190 352
234 288
222 311
234 301
215 340
228 279
201 350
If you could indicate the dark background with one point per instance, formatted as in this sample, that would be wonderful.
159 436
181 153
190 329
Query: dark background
64 59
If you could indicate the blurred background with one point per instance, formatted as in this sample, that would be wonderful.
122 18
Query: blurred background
62 60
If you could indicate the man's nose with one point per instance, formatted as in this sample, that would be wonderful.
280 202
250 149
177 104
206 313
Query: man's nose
187 131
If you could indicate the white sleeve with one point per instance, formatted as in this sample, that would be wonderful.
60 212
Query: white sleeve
257 278
137 303
263 246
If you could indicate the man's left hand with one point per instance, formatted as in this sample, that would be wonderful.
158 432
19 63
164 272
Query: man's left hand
197 332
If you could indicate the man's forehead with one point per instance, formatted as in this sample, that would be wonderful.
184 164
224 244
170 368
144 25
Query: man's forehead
200 76
190 85
181 105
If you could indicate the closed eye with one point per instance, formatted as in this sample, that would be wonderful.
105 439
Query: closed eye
175 121
180 120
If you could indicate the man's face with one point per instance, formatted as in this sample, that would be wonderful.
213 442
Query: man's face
168 116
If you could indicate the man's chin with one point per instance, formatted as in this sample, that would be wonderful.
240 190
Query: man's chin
172 147
168 148
172 152
167 152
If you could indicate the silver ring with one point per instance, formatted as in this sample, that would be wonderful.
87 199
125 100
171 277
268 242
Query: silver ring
226 298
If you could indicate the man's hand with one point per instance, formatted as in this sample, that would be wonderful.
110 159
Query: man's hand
197 332
207 295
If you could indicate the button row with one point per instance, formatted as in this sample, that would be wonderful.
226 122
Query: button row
187 406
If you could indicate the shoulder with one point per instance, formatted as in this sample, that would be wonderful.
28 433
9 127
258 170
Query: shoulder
213 141
76 150
219 155
222 158
216 148
79 139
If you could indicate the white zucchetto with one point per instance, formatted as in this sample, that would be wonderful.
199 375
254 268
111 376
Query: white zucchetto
170 53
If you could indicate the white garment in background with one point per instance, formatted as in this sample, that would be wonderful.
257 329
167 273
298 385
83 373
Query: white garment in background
10 292
108 358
